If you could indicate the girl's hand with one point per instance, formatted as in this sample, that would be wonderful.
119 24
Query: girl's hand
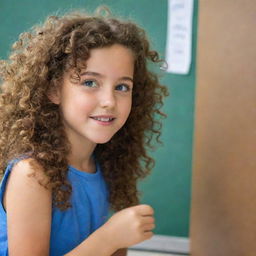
130 226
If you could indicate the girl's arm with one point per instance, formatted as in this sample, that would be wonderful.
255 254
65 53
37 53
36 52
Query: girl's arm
28 207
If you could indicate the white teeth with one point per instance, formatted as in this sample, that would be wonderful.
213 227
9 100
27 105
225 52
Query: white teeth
103 119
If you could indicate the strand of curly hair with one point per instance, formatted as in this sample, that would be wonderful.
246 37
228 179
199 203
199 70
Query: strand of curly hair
31 125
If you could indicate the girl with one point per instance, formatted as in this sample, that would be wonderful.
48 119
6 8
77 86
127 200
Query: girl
77 111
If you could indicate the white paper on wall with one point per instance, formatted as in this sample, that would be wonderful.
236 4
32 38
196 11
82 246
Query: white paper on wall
179 36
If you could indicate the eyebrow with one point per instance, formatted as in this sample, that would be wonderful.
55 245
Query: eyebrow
91 73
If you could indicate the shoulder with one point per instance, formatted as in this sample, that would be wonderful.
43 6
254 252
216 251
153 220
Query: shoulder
29 170
26 176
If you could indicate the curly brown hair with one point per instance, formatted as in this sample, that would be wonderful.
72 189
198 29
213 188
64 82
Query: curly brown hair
31 124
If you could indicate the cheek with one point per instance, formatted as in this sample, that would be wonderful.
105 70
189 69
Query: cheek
127 105
78 105
129 108
84 104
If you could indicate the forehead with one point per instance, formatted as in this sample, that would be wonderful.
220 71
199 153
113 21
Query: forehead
115 58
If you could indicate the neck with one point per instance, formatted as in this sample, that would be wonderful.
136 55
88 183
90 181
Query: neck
81 157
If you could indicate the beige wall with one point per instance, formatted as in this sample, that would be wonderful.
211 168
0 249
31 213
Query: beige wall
223 215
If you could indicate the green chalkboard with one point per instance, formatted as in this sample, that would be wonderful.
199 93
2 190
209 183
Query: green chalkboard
168 188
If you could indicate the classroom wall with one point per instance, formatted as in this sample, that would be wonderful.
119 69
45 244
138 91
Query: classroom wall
167 189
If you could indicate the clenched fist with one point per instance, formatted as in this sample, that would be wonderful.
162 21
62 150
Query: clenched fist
130 226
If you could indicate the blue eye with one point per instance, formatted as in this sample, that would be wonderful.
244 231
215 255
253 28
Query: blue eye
89 83
123 87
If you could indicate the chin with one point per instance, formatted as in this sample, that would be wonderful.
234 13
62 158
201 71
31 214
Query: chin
102 140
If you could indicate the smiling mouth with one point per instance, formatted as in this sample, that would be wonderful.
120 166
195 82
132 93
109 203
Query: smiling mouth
103 119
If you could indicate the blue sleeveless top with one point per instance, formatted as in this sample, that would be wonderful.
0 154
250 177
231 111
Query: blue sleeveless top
69 228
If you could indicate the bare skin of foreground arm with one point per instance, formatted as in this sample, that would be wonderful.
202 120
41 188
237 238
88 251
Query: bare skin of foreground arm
29 233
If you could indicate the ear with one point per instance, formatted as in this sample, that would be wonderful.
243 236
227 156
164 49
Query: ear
54 95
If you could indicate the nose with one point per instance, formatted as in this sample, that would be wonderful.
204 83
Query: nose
107 98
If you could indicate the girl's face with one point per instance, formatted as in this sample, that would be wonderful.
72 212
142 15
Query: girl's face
94 109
